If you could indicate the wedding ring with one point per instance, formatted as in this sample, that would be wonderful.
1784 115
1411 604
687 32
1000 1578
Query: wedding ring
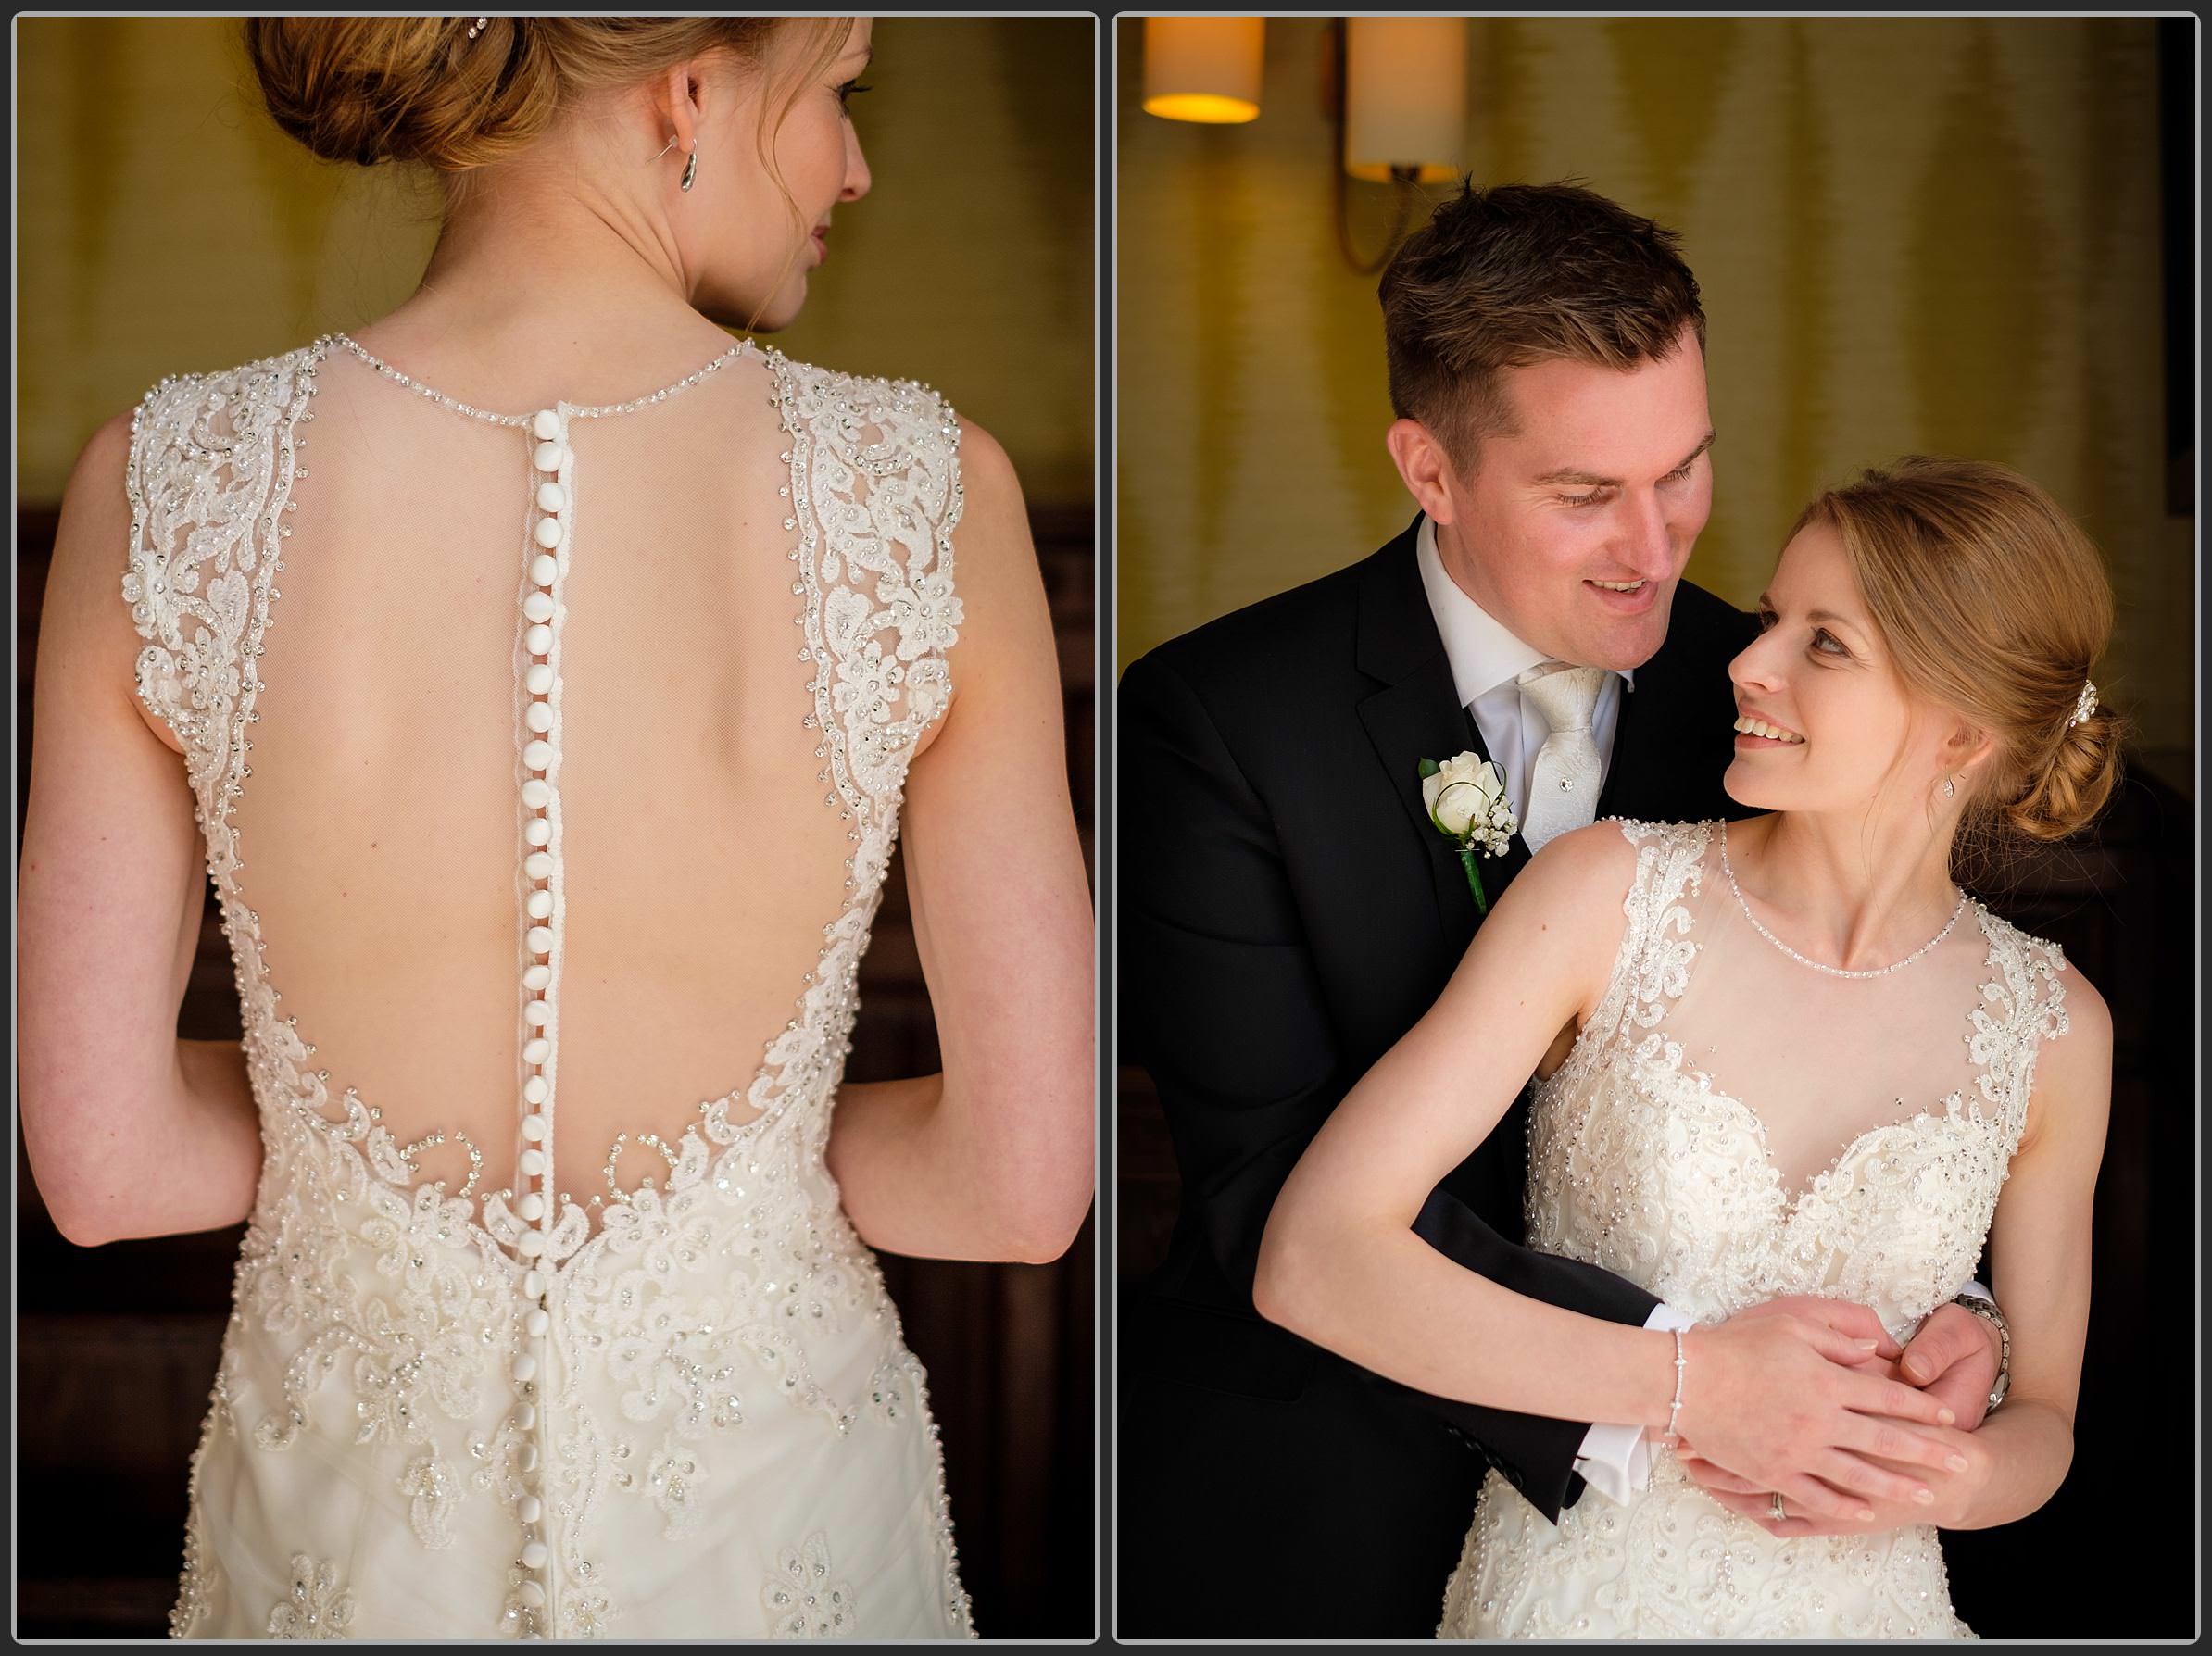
1774 1505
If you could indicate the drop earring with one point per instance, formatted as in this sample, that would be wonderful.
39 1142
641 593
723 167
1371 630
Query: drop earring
691 167
1950 789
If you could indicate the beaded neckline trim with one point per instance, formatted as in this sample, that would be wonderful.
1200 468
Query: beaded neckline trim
597 412
1820 965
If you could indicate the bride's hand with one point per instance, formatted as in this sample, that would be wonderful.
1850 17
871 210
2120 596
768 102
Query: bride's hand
1953 1487
1776 1395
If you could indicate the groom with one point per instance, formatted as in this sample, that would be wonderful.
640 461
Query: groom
1287 910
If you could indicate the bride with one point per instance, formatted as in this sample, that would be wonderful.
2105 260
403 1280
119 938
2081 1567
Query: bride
544 679
1781 1057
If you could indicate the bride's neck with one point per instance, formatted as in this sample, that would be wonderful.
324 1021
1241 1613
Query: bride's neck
520 279
1856 892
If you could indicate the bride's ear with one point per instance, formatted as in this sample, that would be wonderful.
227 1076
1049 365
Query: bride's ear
1967 747
1422 466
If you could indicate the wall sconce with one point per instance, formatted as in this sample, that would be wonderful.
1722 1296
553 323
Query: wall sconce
1401 113
1203 69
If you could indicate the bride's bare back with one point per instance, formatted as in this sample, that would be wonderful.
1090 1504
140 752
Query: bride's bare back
546 818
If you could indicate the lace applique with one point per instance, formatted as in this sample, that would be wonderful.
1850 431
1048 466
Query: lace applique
317 1608
801 1600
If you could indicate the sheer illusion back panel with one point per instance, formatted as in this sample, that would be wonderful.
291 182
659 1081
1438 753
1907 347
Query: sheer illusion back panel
701 854
1819 1061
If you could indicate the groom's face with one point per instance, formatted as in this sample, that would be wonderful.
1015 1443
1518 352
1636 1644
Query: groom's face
1573 528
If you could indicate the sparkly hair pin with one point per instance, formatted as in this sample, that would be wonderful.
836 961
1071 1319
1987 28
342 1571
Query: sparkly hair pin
2084 707
478 27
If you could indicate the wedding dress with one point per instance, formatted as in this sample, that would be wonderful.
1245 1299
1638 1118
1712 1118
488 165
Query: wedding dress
547 767
1685 1144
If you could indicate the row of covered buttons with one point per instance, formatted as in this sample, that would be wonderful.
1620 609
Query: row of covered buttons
535 1201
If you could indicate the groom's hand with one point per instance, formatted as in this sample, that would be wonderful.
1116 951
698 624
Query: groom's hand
1953 1356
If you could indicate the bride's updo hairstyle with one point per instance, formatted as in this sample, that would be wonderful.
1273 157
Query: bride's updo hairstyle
369 90
1992 603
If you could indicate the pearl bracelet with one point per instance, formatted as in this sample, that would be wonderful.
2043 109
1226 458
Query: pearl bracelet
1675 1407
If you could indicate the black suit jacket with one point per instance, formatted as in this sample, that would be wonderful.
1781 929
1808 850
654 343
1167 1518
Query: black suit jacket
1286 911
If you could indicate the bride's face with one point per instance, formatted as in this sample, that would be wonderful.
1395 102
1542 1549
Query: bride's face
776 155
1847 732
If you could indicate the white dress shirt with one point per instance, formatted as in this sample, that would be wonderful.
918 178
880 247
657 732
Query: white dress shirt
1487 661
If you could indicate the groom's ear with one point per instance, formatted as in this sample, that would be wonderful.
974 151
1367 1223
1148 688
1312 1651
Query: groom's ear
1422 466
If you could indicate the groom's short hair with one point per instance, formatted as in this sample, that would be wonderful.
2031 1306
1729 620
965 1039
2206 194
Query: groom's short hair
1520 274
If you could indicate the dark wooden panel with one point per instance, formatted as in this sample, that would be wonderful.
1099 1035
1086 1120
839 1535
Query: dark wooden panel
118 1344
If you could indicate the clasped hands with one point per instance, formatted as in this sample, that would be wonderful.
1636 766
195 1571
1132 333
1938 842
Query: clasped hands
1812 1398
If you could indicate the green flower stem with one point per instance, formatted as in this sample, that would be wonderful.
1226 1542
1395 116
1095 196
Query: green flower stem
1467 860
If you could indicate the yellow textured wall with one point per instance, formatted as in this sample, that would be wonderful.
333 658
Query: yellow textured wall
166 226
1934 235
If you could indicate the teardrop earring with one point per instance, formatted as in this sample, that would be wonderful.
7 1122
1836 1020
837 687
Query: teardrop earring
691 167
1950 789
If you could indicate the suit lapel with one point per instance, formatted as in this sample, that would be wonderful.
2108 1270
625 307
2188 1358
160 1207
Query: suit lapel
1417 715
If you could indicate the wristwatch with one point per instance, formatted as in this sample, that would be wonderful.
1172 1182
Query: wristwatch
1987 1310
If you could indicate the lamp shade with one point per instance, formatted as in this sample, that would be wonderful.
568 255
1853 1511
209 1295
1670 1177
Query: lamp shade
1405 96
1203 69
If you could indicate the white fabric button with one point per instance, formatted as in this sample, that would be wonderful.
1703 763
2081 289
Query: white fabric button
538 716
537 793
535 1555
547 533
536 1323
533 1090
546 423
538 1015
525 1368
534 1126
540 939
538 864
544 567
537 831
530 1592
538 641
537 977
536 1049
533 1163
551 496
531 1206
540 904
539 679
537 606
530 1244
538 755
534 1284
525 1413
526 1457
530 1510
546 457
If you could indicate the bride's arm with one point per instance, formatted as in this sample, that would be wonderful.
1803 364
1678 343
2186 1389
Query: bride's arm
1340 1265
2039 1254
1339 1262
993 1159
129 1131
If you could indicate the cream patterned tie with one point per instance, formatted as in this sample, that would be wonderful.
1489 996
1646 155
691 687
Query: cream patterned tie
1562 783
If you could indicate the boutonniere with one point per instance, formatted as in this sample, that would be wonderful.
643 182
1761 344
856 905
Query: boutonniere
1465 796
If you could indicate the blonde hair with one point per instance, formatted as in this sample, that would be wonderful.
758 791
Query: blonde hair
1994 603
371 90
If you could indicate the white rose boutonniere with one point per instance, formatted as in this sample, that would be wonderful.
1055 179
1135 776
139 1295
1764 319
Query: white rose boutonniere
1465 796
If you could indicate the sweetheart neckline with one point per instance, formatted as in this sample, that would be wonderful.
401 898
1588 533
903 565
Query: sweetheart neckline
1953 1113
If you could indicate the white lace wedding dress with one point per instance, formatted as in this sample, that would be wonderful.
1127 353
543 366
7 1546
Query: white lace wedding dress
1686 1144
550 764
